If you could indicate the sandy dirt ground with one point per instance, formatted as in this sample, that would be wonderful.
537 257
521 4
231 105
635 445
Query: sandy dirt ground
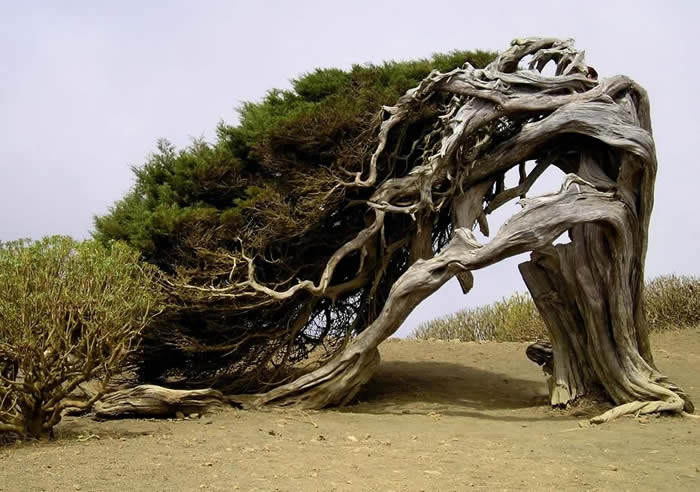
437 416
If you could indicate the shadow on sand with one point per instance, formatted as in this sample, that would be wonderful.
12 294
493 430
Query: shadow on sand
443 388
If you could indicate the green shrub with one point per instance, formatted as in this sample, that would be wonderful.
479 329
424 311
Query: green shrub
671 301
69 312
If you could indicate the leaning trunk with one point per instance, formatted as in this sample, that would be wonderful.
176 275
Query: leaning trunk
488 122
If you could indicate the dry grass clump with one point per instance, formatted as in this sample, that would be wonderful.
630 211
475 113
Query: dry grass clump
511 319
672 301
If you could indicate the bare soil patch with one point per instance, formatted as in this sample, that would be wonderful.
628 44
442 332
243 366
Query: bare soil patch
437 416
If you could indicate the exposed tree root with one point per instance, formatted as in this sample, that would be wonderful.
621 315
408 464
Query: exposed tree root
673 405
336 383
156 401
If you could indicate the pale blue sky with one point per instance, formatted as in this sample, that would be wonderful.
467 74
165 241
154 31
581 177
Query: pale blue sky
86 89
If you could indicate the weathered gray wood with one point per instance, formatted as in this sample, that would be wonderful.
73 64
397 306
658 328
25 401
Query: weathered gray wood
571 375
156 401
541 221
589 291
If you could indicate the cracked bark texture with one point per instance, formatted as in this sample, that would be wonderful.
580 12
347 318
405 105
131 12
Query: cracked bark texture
588 291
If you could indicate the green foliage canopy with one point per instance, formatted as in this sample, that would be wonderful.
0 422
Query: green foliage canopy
272 185
264 162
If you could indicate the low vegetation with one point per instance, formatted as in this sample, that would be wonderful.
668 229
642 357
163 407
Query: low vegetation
511 319
70 312
671 301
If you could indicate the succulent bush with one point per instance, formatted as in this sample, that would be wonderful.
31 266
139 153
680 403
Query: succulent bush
70 312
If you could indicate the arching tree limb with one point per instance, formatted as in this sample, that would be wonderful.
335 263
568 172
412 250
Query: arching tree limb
484 123
541 221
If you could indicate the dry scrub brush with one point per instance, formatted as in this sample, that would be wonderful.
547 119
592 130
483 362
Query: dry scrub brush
671 301
69 312
511 319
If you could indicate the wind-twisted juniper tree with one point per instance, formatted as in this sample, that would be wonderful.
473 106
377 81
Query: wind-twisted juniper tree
390 231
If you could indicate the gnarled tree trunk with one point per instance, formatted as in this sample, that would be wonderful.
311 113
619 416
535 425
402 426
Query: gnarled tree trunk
588 291
485 123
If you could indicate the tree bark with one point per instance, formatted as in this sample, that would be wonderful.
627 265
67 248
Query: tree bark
541 221
571 376
589 292
599 343
156 401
